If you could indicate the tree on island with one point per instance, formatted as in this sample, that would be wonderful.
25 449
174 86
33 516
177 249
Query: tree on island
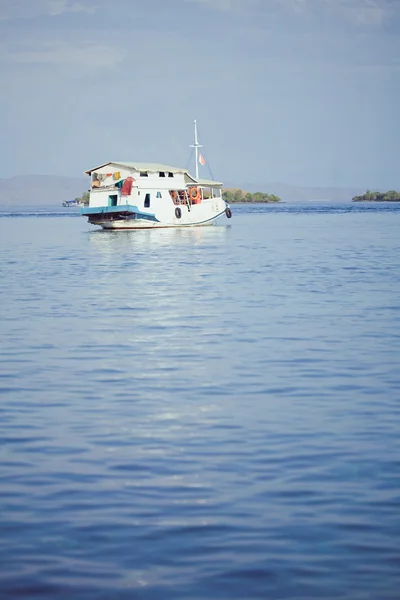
84 199
238 195
391 196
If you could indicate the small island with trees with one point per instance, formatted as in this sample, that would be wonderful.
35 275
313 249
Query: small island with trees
369 196
84 199
232 195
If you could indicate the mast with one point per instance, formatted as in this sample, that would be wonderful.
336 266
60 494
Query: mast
196 147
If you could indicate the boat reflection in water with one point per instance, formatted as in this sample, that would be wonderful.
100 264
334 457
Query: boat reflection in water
116 242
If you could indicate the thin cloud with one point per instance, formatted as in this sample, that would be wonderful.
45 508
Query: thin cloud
58 7
86 56
29 9
233 6
359 12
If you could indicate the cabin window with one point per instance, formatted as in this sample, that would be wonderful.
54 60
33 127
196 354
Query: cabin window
144 174
161 174
158 194
147 201
170 174
113 200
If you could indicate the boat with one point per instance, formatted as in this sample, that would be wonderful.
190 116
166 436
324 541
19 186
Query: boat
72 203
138 195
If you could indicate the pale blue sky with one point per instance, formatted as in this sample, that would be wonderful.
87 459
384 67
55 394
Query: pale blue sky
301 91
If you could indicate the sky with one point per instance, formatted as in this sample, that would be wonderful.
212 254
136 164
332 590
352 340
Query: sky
305 92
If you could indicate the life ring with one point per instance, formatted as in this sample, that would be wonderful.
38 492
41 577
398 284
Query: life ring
194 194
178 212
228 212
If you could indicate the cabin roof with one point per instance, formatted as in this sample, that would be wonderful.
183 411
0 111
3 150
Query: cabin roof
209 183
155 167
140 166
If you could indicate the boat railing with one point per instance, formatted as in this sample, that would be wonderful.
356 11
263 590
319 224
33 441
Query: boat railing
187 200
101 188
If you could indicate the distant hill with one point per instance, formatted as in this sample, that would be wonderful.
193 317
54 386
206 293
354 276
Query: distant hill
52 190
36 190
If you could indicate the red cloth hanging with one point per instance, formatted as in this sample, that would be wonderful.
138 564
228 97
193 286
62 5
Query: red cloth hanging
127 186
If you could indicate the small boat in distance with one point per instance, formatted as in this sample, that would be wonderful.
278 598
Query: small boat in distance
136 195
72 203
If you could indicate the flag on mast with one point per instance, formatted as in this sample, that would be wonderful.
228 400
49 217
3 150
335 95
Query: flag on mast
201 159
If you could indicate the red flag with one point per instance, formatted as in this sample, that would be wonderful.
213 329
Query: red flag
202 159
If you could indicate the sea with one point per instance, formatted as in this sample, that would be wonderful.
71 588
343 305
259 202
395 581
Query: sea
204 414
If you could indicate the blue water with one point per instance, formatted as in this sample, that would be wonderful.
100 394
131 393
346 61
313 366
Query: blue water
201 414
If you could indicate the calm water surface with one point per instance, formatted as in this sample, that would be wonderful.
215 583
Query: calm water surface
203 414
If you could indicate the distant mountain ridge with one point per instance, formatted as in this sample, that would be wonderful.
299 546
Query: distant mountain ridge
52 190
37 190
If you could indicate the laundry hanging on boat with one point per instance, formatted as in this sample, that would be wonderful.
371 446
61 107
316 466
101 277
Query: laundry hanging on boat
127 186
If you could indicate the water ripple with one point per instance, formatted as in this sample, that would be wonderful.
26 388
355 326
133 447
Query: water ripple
206 413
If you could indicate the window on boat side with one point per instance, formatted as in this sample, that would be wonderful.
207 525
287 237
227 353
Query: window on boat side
158 194
112 200
170 174
161 174
144 174
147 201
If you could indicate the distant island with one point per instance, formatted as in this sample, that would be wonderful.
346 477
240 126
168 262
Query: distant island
232 195
369 196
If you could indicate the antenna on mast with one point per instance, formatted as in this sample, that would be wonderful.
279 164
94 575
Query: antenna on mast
196 147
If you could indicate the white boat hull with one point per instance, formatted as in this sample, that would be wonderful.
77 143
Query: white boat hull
143 224
129 217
